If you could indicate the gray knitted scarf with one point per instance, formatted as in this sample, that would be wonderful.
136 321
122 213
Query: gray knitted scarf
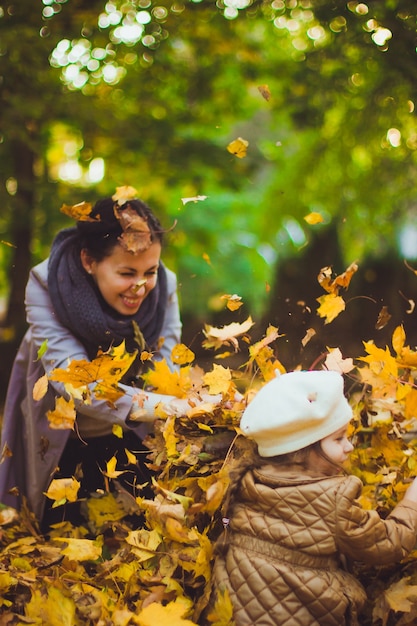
80 307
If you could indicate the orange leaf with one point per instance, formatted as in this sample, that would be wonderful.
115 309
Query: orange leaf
238 147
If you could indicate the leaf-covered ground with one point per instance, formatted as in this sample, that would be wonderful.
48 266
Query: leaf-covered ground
147 560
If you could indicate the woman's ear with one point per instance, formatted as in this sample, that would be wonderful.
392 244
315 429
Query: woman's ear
87 261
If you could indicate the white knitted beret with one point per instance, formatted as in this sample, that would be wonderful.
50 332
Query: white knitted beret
295 410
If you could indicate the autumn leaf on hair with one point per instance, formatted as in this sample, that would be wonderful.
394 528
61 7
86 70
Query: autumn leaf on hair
330 306
238 147
227 335
80 211
314 218
163 380
234 302
124 193
64 414
63 490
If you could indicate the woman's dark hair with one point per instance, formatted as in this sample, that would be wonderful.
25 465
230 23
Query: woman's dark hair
100 236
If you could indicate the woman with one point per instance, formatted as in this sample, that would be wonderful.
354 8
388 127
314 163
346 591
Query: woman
103 283
294 519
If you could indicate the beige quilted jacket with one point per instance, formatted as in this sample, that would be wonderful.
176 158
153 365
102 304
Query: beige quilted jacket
280 555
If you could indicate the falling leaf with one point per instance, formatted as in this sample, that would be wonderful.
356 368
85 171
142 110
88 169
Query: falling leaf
63 416
40 388
80 211
8 244
216 337
42 349
265 92
383 318
234 302
206 258
172 383
310 332
238 147
335 362
218 380
117 431
194 199
111 471
330 307
314 218
63 490
102 374
182 355
333 285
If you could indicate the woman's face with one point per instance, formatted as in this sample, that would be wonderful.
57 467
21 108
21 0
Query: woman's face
125 279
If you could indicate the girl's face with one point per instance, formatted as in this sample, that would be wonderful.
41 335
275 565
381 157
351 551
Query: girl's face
337 446
125 279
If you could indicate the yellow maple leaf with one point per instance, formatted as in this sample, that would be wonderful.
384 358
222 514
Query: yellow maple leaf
335 361
314 218
218 380
182 355
80 211
63 490
330 306
172 614
82 549
226 335
380 361
63 416
164 381
103 373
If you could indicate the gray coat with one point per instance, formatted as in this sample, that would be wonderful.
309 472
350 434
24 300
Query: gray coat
31 449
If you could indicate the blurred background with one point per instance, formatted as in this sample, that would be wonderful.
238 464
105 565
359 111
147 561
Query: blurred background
152 93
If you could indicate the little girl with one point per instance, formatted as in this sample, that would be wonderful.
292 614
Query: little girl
294 518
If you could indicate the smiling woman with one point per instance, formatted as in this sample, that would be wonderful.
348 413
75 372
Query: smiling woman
103 284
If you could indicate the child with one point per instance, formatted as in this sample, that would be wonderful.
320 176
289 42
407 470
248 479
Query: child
294 517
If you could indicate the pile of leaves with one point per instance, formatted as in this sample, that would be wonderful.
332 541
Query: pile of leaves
147 560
